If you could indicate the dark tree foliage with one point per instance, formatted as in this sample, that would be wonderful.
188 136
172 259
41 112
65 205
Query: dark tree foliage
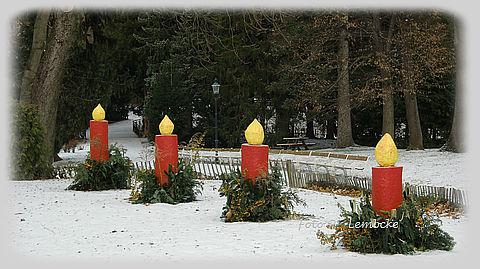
105 69
280 67
187 51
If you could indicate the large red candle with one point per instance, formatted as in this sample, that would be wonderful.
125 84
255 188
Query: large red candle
99 140
387 191
166 153
254 154
254 161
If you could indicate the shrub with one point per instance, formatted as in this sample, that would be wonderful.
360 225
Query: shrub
96 176
29 146
261 202
417 228
182 187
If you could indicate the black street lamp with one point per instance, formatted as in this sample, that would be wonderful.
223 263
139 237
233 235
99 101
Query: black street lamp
216 92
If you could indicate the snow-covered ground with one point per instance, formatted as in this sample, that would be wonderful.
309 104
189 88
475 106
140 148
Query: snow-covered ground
428 167
52 223
423 167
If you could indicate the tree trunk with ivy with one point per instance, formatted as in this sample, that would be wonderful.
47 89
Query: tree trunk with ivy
38 46
48 82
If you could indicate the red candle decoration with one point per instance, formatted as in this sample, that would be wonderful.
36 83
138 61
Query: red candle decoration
98 135
386 188
254 161
387 193
166 151
254 154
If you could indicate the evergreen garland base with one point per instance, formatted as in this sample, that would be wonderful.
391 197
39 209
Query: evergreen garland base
182 187
410 228
97 176
261 202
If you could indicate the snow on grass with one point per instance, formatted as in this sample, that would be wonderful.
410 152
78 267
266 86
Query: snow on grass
423 167
51 222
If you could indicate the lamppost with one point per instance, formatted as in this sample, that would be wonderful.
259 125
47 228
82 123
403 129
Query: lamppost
216 92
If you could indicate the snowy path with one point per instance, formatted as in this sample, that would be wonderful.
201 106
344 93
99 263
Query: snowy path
120 133
53 224
428 167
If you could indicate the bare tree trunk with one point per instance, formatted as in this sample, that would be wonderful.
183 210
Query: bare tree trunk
38 45
388 112
282 124
310 132
415 137
50 74
344 129
330 129
455 140
382 47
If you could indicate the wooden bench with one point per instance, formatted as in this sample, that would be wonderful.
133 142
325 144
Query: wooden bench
289 145
295 142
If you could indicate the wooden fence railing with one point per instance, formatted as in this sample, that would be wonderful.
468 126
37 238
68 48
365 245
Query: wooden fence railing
296 174
454 195
209 167
299 174
309 153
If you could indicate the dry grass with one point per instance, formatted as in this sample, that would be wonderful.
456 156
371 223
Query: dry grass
447 209
345 191
440 207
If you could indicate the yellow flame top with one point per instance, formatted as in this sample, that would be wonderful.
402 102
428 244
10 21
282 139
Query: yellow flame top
166 126
98 113
254 133
386 152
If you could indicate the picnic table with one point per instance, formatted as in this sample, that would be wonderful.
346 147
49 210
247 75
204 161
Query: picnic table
295 142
